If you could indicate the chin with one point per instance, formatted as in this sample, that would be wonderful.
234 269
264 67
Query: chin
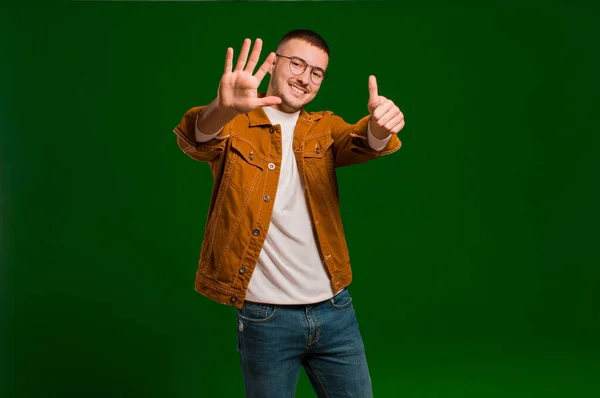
292 105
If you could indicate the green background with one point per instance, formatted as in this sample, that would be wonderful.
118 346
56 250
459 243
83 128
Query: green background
475 247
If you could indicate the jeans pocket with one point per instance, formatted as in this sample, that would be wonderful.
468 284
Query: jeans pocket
240 329
341 300
256 312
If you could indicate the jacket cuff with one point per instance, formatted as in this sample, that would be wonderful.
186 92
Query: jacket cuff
361 140
186 129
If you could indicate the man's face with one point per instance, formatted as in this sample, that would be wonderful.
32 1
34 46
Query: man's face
294 90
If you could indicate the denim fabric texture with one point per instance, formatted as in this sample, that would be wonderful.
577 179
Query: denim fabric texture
275 342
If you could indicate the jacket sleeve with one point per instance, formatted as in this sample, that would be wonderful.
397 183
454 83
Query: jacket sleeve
350 142
185 132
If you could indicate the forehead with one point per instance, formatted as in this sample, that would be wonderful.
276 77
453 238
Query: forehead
300 48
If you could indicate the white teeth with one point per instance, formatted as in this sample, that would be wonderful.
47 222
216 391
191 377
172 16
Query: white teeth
296 90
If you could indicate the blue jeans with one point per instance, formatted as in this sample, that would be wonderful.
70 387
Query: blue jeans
275 341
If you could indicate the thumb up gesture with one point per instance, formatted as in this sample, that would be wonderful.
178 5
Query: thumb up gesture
386 117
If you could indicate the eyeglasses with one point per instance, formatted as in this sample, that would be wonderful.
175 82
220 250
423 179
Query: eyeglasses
298 66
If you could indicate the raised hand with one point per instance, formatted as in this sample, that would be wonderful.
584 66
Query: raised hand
386 117
238 89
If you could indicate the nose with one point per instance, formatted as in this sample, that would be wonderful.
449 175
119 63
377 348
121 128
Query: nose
304 78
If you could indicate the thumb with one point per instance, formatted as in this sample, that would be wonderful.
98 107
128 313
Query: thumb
373 95
268 101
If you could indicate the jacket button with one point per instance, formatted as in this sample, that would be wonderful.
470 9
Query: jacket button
271 129
243 270
251 156
318 149
271 166
256 232
233 299
266 198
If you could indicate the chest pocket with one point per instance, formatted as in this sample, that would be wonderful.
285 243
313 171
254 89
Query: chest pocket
244 166
318 147
318 155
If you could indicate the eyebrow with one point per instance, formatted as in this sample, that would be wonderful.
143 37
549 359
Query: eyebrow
317 67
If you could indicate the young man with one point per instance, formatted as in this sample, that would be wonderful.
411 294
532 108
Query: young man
274 244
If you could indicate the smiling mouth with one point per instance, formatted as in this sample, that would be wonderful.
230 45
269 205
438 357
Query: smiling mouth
297 90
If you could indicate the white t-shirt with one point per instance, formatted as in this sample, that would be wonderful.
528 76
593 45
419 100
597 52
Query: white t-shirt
290 269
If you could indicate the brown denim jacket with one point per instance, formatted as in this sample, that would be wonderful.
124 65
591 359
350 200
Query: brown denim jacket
245 158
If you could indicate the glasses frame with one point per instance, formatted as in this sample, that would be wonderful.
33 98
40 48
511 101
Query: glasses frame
312 68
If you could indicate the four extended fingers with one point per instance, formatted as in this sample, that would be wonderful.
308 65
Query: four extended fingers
243 58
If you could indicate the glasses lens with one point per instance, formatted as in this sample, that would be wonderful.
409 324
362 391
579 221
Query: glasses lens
297 66
317 76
